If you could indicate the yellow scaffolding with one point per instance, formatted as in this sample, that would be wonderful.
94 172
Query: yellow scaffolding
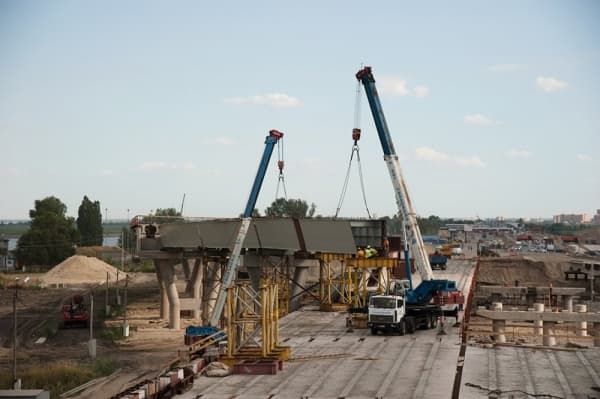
346 282
253 324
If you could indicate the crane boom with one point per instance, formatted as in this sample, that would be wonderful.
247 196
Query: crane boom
405 208
270 141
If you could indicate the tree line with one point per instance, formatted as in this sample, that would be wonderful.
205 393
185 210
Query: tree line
53 236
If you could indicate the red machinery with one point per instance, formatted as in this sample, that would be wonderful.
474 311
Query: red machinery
75 314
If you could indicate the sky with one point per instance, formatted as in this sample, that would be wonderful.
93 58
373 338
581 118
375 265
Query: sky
493 107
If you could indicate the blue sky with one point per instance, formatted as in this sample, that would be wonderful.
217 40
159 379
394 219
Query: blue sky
493 107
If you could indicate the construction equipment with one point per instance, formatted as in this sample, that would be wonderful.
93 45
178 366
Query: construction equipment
418 309
75 313
231 268
412 235
438 261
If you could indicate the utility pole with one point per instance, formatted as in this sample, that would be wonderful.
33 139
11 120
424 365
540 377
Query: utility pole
125 325
92 341
106 305
16 384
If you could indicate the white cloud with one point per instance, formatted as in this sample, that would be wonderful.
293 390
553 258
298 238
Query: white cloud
508 67
550 84
584 157
469 161
108 172
421 91
399 87
478 119
278 100
162 165
220 141
429 154
433 155
518 153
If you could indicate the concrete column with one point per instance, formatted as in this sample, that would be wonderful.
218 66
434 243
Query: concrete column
538 324
164 300
212 285
252 264
549 339
187 272
597 335
196 280
568 303
167 273
300 273
581 325
498 326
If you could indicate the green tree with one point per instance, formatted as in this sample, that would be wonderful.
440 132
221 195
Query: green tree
297 208
89 223
51 237
166 215
255 213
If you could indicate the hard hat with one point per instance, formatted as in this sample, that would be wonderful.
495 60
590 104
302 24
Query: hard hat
368 246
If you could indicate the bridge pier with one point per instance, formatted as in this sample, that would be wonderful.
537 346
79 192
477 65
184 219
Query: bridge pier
167 276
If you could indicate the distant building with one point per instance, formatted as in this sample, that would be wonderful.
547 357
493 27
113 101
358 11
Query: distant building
4 263
596 218
572 218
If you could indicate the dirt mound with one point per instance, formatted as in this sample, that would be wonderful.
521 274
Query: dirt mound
81 270
529 272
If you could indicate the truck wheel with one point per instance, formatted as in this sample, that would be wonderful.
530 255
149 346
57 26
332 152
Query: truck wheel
411 325
402 327
373 331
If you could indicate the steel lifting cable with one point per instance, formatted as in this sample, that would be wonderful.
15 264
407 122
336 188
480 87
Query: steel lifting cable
280 164
355 149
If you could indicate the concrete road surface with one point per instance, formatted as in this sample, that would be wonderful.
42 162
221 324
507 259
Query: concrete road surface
334 363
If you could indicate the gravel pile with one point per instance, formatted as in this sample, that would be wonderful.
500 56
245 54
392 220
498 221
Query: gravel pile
79 269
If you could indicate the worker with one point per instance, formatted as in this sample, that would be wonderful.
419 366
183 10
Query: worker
370 252
386 247
360 253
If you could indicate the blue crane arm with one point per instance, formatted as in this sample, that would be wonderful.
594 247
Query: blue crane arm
234 257
365 75
270 142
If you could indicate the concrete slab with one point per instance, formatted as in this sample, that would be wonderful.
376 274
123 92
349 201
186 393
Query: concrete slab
534 371
334 363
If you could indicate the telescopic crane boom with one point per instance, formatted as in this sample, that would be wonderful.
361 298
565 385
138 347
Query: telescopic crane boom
270 141
412 235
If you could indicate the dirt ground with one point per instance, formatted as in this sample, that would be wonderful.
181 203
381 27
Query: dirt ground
530 270
150 347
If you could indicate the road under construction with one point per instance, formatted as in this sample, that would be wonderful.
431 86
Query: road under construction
239 289
245 280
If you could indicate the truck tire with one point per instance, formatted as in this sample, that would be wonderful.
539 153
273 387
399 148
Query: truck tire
411 325
402 327
373 331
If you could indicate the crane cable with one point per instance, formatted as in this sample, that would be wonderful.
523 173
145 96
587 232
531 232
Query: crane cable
280 165
355 149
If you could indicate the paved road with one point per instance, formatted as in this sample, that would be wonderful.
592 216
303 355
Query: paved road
535 371
421 365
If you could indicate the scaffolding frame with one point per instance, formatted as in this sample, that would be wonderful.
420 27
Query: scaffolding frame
253 323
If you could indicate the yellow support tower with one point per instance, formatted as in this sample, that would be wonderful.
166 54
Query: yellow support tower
253 324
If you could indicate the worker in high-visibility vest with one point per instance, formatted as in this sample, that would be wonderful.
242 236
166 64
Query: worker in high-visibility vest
370 252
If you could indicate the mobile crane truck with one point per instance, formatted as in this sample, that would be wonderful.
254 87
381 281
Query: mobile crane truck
417 307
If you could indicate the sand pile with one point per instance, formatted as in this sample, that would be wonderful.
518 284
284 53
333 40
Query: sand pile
81 270
498 271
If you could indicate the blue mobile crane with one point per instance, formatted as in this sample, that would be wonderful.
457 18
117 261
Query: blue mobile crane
412 235
270 141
